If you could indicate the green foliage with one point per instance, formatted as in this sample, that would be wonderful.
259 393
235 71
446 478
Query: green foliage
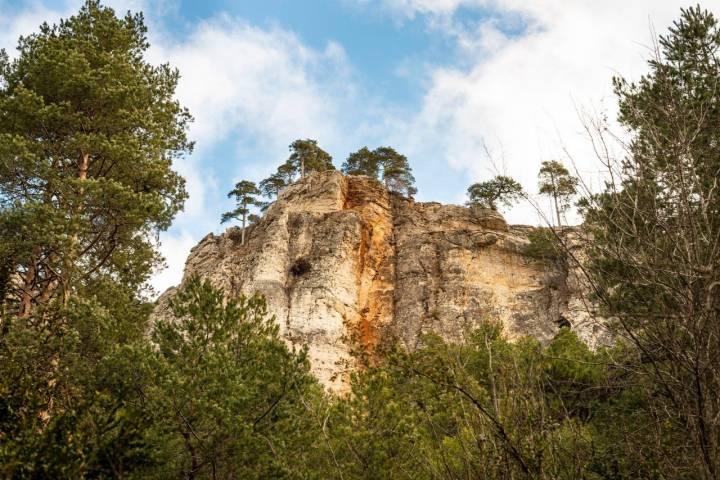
362 162
683 76
229 397
502 189
284 176
653 259
218 392
245 193
306 157
483 408
545 247
88 133
69 384
384 164
556 182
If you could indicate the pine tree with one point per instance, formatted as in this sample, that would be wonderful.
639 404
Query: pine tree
362 162
88 134
396 171
501 189
230 396
653 251
245 194
384 164
307 156
556 182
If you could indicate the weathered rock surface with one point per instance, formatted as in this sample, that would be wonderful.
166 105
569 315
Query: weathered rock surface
345 264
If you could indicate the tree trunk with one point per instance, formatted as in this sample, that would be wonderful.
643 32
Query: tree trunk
555 199
84 166
26 299
71 258
242 233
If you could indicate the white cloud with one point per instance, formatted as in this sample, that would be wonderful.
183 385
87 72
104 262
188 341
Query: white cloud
175 248
265 82
25 20
258 87
520 94
526 66
22 23
410 8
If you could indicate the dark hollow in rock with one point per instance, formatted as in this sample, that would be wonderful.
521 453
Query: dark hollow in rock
563 322
300 267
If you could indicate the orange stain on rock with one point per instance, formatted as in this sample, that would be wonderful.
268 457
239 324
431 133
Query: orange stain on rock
375 259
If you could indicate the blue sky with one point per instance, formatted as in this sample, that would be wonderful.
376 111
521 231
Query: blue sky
465 88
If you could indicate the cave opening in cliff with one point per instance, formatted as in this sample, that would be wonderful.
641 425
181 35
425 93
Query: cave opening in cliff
300 267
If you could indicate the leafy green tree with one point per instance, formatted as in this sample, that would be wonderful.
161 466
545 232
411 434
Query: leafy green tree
230 396
245 193
362 162
272 186
545 246
396 171
481 408
556 182
307 156
69 401
500 189
384 164
88 133
652 247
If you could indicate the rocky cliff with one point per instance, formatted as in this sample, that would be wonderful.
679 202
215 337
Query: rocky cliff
344 264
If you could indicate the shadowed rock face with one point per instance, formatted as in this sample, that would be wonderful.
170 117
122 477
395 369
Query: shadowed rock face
344 264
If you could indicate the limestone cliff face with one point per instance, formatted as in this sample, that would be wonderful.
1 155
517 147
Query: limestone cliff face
344 264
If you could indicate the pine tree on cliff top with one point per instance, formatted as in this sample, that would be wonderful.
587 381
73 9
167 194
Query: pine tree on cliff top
306 156
384 164
246 195
556 182
501 189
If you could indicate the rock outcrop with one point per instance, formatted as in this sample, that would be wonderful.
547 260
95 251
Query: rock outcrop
344 264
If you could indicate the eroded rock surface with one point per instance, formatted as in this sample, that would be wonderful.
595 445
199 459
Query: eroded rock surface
344 264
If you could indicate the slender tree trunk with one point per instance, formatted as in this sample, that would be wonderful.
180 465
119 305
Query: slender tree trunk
242 234
5 274
193 455
302 167
555 200
26 299
83 169
557 210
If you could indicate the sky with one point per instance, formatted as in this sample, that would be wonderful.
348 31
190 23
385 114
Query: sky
466 89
